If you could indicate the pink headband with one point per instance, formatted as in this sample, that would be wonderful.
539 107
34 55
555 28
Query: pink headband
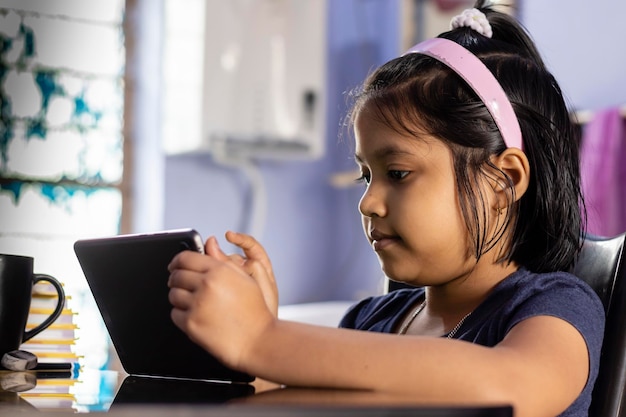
480 79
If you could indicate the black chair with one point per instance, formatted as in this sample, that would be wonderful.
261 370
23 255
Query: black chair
602 265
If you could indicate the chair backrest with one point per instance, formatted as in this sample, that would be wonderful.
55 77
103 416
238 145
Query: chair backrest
602 265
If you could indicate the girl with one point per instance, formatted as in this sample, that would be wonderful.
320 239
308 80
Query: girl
470 167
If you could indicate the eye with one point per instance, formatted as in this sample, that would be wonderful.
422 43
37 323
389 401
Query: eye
397 175
364 178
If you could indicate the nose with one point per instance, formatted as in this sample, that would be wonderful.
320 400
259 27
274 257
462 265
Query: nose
372 202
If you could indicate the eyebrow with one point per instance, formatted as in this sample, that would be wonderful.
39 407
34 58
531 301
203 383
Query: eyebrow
385 153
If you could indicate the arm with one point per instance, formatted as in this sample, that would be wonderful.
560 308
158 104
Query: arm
537 356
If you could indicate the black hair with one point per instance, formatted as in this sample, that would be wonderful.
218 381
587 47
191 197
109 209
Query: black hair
416 93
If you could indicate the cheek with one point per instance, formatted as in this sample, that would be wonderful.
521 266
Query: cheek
431 210
436 224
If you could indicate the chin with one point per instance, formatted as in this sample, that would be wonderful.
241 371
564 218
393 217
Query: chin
406 276
396 276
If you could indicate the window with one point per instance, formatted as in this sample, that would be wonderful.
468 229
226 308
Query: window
61 142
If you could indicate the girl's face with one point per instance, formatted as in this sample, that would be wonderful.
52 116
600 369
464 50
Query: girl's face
410 208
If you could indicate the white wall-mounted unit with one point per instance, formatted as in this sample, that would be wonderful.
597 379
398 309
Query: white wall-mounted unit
264 79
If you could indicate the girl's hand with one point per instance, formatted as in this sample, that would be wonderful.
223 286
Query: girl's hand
255 258
218 304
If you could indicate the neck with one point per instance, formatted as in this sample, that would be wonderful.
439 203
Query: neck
462 295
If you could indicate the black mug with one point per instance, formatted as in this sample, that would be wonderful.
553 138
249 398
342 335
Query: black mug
16 288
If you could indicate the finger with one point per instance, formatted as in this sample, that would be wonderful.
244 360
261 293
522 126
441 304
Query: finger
179 317
212 248
265 282
251 248
190 260
184 279
180 298
237 259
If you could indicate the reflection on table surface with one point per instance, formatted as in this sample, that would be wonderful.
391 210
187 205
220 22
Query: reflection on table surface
108 391
76 391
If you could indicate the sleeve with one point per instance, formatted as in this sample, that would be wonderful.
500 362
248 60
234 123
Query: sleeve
353 316
381 313
571 299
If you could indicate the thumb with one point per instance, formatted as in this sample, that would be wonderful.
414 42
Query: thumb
212 248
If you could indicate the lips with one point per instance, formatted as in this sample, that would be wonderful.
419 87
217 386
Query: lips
381 241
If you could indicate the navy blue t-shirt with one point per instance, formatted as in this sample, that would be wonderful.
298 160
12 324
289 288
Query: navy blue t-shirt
521 295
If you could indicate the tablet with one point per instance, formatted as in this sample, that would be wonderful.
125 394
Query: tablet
128 275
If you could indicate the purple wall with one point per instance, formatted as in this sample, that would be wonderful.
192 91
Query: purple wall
583 45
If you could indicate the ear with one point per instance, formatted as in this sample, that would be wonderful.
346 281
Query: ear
514 163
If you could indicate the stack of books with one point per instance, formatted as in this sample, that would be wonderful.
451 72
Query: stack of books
56 344
58 364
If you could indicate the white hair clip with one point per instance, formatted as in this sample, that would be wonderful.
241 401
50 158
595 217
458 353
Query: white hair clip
474 19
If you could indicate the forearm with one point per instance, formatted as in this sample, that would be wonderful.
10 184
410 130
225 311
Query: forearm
295 354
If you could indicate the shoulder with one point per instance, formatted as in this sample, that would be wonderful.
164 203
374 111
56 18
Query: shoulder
545 292
527 294
381 313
